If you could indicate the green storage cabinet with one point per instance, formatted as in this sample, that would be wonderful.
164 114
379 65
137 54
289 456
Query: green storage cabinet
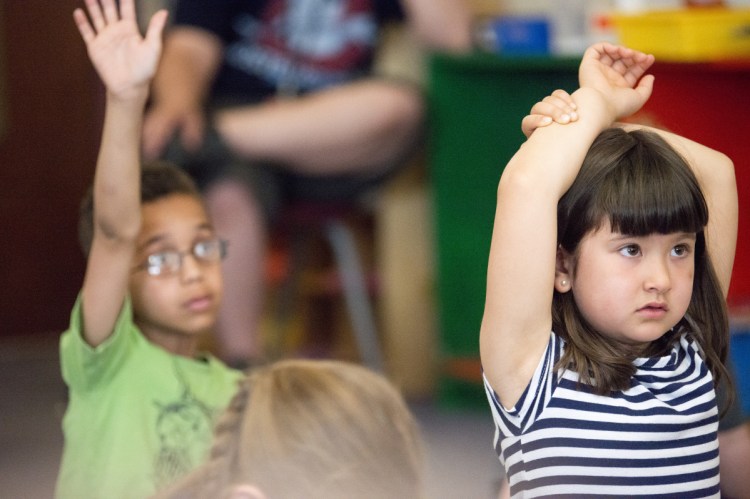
476 105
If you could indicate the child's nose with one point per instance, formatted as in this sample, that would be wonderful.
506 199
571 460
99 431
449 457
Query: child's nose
658 276
191 268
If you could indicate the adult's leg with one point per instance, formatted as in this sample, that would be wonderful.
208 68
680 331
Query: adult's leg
360 127
364 127
238 217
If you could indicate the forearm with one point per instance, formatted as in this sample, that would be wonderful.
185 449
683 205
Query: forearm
117 217
117 178
441 24
552 156
189 64
520 276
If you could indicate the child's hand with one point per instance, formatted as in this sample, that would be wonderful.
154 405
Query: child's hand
557 107
125 61
618 73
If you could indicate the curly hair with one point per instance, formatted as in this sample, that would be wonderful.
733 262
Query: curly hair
159 179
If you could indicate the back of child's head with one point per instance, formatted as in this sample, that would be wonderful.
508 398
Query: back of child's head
313 429
638 185
159 179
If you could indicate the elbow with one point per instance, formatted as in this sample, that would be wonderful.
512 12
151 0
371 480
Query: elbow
120 232
518 181
728 164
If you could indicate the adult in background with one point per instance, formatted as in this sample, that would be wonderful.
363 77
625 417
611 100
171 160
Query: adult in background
266 101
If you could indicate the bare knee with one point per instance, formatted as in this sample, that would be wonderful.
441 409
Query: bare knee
230 202
402 108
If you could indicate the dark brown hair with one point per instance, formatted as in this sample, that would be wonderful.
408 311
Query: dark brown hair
159 179
641 185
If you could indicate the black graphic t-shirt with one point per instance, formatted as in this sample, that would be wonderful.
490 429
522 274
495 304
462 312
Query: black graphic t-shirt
289 45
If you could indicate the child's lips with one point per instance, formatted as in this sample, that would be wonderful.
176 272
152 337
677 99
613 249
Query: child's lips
199 303
654 310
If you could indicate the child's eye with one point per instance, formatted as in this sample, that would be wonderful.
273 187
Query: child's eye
212 250
158 258
681 250
163 262
630 250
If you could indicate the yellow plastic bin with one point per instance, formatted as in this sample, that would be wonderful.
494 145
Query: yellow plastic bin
688 35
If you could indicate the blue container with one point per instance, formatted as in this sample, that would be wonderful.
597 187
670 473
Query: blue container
515 35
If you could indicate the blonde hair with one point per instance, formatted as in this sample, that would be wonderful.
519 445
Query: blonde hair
314 429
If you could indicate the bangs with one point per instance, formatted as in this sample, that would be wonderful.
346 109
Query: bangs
646 195
637 182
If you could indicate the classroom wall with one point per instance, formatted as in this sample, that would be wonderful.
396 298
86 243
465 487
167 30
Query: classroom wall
51 120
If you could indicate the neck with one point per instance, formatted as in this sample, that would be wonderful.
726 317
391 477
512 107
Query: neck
171 341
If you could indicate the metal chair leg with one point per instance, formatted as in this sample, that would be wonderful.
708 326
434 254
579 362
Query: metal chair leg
355 292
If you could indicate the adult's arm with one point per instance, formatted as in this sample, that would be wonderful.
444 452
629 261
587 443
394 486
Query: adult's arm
189 64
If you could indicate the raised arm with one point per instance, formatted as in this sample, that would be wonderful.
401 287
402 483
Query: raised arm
520 279
125 62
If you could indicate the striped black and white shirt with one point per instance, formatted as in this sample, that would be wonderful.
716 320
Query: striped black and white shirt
656 439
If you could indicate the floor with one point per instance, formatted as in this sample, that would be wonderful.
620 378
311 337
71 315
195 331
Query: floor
461 461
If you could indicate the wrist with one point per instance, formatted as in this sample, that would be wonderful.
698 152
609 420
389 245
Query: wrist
131 98
594 106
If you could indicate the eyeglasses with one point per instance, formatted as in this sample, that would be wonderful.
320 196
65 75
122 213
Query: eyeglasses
170 262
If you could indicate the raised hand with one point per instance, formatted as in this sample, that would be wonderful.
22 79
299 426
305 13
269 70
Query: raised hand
619 73
126 61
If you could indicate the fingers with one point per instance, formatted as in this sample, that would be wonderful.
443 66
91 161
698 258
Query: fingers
532 122
87 32
156 26
625 59
105 12
102 13
559 106
95 13
127 10
645 87
618 57
192 133
110 11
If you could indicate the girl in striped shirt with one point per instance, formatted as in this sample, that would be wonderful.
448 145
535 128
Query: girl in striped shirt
605 325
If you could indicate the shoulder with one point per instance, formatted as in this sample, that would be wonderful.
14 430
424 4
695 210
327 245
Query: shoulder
86 366
72 339
542 382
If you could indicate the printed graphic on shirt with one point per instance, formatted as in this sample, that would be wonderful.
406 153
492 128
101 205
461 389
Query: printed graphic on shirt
305 44
181 426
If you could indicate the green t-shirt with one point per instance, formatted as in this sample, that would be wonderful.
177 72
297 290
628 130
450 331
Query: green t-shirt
138 416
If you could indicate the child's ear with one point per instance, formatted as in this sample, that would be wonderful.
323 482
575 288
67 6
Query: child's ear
246 491
563 270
